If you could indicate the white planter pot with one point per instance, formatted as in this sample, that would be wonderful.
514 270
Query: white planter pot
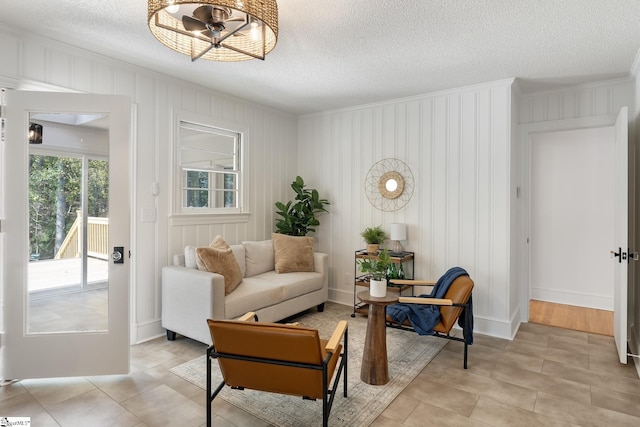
378 288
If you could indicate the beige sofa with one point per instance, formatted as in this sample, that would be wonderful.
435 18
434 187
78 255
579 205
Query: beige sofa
191 296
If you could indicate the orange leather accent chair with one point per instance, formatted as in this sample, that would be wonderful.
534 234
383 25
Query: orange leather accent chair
456 302
277 358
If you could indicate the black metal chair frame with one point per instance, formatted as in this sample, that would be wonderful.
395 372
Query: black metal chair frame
466 326
328 394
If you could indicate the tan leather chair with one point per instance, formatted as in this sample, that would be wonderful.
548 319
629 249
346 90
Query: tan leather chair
457 298
277 358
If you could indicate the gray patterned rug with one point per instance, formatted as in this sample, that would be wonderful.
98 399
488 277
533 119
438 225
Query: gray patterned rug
407 352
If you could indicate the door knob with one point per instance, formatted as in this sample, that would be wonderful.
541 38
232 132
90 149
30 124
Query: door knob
620 255
118 255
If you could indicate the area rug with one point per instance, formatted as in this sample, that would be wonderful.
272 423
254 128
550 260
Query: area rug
408 353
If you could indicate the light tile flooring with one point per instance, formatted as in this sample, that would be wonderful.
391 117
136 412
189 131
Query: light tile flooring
546 376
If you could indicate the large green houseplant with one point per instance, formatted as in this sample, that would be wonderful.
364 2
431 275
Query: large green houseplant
297 218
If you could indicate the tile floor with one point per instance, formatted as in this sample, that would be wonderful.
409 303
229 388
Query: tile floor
546 376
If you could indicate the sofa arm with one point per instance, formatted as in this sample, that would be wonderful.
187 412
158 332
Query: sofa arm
321 262
189 298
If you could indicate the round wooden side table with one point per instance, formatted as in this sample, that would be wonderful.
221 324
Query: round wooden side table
375 368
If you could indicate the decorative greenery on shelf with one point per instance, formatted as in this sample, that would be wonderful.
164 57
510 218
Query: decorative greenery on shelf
374 235
376 267
299 218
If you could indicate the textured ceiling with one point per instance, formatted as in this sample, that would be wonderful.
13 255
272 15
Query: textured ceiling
337 53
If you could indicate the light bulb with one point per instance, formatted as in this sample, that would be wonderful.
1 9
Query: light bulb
255 34
172 7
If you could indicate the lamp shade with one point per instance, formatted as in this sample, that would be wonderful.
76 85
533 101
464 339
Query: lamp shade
398 231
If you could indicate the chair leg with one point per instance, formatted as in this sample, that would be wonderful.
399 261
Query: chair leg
209 387
346 360
171 336
465 355
320 307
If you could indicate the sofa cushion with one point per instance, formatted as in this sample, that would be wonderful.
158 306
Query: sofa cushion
259 257
219 258
252 294
292 253
240 254
296 283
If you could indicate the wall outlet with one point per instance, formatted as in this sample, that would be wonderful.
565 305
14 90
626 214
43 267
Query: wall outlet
348 280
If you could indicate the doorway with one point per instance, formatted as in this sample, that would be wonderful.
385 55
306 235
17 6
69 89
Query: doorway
572 211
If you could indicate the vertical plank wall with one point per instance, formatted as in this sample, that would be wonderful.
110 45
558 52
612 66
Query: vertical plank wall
461 145
35 63
457 144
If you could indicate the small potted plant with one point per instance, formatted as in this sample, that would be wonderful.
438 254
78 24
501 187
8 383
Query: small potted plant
374 236
377 269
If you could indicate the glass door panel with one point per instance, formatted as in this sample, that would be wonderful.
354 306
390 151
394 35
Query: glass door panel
68 235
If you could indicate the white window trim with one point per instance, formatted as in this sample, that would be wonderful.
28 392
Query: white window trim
180 215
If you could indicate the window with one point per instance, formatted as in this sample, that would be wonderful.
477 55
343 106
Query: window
209 168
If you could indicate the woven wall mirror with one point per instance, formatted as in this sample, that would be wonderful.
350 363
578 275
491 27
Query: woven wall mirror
389 185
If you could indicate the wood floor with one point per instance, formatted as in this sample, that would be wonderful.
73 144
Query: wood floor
571 317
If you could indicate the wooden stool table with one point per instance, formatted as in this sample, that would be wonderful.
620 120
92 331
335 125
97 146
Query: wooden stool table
375 369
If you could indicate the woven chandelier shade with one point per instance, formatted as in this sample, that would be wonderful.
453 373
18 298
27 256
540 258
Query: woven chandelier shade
252 31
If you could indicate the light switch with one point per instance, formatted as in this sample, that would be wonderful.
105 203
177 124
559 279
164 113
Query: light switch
148 215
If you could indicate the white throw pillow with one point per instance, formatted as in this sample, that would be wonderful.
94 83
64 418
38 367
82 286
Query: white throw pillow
190 257
259 257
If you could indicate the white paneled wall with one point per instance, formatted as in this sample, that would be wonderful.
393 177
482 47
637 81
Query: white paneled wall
270 148
457 143
462 146
591 100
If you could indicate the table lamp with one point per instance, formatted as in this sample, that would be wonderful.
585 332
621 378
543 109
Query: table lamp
398 233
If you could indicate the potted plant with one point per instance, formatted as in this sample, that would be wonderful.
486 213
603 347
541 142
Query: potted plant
374 236
377 268
299 218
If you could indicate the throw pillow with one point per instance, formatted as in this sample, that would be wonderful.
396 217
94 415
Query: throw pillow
293 253
219 258
190 257
258 257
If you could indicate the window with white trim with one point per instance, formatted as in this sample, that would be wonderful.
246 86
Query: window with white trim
210 169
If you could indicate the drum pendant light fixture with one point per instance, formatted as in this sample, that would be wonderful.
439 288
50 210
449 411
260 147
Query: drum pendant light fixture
217 30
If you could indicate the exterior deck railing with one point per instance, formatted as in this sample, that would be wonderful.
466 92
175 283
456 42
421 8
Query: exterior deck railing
97 238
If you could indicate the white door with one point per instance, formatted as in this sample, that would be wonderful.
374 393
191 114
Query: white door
66 172
621 235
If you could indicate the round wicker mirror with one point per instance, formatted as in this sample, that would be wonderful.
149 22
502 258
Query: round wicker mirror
389 185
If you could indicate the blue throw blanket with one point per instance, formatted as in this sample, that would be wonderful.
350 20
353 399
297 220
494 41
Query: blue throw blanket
424 317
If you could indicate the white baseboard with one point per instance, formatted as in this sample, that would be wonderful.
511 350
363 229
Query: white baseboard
573 298
148 331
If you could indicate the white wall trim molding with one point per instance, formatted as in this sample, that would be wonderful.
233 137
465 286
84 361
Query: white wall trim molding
578 87
599 302
133 227
419 97
204 219
147 331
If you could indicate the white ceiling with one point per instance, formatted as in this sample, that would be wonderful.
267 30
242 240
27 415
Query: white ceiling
338 53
